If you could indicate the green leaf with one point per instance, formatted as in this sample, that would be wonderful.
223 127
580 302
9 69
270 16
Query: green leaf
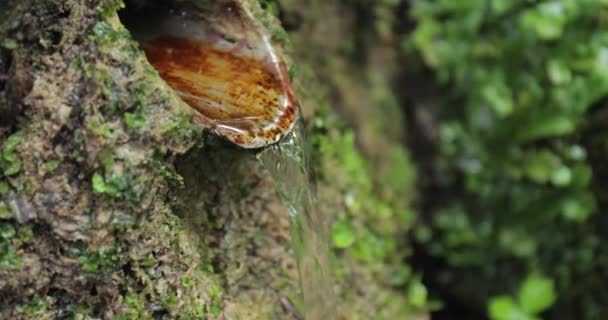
5 211
536 294
505 308
13 167
343 234
540 165
417 295
9 162
562 177
99 186
3 187
551 125
499 96
578 207
10 43
501 307
558 72
7 231
502 6
547 20
135 120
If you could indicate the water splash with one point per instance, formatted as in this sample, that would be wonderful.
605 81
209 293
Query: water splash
289 165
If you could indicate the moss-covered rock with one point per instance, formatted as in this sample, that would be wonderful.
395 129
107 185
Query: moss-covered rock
93 224
114 204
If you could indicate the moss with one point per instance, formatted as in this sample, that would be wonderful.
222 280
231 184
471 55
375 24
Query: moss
9 257
51 166
134 308
25 234
100 186
80 312
5 211
266 13
215 309
7 231
108 8
3 187
135 120
100 260
343 234
271 6
9 161
34 309
10 43
106 34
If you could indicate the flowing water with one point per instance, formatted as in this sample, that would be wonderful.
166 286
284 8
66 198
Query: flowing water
167 31
289 164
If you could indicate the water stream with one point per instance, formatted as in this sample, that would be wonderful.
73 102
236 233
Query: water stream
289 164
201 51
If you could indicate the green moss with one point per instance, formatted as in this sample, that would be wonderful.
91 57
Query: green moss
5 211
77 156
100 186
102 129
85 67
148 261
80 312
9 259
10 43
9 161
25 234
170 300
107 8
135 120
3 187
134 308
366 234
106 157
7 231
215 292
271 6
215 309
417 295
36 307
106 34
124 187
343 234
101 260
168 172
51 166
267 17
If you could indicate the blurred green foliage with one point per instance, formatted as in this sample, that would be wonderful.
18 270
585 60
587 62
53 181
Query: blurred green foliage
535 295
365 236
525 79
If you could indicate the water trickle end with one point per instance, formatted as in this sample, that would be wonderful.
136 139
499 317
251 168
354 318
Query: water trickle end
288 163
